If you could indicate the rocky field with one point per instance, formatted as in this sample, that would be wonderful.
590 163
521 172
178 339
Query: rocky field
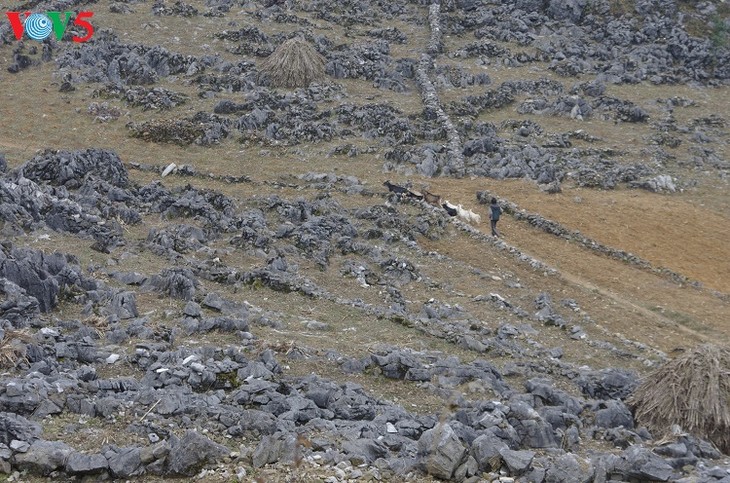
203 276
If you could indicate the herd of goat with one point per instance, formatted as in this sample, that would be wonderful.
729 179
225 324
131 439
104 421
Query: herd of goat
435 200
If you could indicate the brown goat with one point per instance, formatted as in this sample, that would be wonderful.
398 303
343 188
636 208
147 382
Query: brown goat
431 198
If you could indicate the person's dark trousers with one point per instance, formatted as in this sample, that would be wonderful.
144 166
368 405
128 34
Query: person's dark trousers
494 228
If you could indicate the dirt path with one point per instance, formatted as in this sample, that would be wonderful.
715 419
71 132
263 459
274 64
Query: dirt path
661 320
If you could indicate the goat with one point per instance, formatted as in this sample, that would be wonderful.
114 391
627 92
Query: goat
394 188
475 217
450 209
431 198
462 212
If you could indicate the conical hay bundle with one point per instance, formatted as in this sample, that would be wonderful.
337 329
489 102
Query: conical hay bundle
692 391
295 63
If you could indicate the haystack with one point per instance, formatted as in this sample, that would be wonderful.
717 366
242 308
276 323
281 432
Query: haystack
692 391
295 63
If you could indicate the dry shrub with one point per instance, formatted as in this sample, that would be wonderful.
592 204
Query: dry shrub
295 63
692 391
13 347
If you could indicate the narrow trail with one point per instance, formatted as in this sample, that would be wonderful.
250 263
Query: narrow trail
629 305
629 287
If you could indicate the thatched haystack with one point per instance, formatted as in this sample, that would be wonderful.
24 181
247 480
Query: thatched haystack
295 63
692 391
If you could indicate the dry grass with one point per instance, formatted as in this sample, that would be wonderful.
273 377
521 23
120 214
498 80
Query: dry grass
13 347
295 63
692 391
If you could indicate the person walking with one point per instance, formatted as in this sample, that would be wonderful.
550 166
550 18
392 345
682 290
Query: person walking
494 213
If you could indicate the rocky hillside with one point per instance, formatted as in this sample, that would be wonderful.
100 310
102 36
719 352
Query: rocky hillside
203 275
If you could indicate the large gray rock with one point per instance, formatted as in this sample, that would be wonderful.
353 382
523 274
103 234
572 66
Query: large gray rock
535 433
441 451
16 306
643 464
273 448
124 462
486 450
614 414
193 452
28 269
86 464
567 469
517 461
608 383
43 457
178 283
364 450
14 427
123 305
60 167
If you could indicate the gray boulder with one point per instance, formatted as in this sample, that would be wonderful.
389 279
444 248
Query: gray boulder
28 269
272 449
364 450
60 167
441 451
85 464
608 383
43 457
16 306
614 414
486 450
14 427
517 461
642 464
123 305
567 469
193 452
124 462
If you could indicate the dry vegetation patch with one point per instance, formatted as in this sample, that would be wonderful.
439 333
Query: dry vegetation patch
295 63
692 391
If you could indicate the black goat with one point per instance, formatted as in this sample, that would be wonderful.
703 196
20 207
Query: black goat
450 209
394 188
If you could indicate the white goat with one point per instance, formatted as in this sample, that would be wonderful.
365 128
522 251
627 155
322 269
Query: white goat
462 212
